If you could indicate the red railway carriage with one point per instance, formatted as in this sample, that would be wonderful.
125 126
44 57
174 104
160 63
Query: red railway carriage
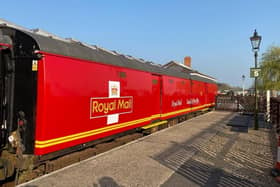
176 93
203 91
99 100
61 95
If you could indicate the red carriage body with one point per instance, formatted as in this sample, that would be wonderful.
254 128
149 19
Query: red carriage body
76 93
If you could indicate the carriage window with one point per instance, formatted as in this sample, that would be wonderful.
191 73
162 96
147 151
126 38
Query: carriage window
122 74
154 81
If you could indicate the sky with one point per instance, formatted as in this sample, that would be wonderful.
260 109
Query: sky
215 33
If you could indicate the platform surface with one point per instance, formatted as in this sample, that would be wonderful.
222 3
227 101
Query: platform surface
208 150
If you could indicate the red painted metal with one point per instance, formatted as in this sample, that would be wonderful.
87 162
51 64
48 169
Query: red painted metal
74 105
65 88
176 92
198 95
156 94
212 93
4 45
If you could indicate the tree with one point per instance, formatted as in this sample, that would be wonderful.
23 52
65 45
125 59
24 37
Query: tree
270 69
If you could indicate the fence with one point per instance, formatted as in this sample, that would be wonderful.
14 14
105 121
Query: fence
244 104
275 112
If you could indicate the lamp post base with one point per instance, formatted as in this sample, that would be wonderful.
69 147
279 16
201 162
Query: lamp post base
256 126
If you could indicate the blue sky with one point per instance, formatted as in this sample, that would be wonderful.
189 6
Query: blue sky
214 33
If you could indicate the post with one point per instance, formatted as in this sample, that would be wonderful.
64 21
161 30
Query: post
277 115
268 105
256 127
243 92
256 41
243 85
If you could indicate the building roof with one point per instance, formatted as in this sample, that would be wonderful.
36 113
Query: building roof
195 75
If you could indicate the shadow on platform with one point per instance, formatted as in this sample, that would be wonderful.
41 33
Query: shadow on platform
196 164
107 182
204 175
242 123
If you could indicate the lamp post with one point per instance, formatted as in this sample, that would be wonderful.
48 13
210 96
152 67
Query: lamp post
243 86
256 41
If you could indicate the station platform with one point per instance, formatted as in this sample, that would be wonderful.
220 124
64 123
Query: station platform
214 149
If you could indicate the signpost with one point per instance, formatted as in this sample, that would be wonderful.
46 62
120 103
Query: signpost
255 72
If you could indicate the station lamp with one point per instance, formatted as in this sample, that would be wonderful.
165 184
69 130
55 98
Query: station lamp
256 41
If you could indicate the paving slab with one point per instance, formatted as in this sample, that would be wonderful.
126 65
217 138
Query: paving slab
203 151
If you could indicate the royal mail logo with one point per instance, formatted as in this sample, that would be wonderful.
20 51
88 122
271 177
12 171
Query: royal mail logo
102 107
193 101
114 91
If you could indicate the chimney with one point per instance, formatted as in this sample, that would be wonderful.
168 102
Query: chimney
187 61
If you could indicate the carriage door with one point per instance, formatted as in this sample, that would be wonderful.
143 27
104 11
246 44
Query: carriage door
2 117
156 95
206 96
5 95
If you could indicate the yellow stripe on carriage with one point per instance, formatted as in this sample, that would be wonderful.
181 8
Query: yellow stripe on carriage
155 116
154 124
186 110
60 140
55 141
